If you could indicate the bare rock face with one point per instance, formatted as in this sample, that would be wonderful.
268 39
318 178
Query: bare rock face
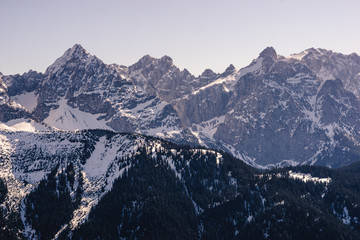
269 52
27 82
228 71
160 77
3 90
9 110
91 103
209 74
330 65
277 111
207 104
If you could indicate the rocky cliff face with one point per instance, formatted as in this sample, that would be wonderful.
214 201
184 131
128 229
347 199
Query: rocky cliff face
330 65
9 109
276 111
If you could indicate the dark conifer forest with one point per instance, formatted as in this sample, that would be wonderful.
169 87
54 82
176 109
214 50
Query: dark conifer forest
177 192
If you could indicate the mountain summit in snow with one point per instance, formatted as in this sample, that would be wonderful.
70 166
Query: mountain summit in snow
269 52
74 55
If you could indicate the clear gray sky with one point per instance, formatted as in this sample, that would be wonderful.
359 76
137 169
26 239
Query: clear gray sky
197 34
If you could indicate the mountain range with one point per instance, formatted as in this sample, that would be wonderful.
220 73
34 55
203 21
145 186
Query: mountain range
90 150
278 111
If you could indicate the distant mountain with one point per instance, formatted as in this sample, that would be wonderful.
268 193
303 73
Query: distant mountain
97 184
278 111
79 91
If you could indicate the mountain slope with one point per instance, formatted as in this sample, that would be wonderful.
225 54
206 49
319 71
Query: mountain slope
110 185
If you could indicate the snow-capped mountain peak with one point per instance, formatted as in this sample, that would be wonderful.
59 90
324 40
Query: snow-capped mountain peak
77 50
310 53
164 63
73 56
144 61
269 52
208 73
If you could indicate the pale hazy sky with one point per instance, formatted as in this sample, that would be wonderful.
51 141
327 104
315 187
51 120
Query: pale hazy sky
197 34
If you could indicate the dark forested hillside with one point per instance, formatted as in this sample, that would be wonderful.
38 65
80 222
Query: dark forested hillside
232 201
50 206
104 185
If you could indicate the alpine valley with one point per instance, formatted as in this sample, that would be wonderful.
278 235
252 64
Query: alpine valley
96 151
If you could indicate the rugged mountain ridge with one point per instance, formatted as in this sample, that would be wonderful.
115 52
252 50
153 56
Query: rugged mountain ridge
281 112
276 111
79 91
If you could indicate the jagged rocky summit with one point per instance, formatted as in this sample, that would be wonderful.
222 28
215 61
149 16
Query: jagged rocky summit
300 109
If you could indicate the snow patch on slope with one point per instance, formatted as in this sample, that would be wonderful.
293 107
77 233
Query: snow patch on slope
229 81
298 56
308 178
163 132
207 128
17 190
226 80
68 118
27 100
100 172
346 218
100 159
23 125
